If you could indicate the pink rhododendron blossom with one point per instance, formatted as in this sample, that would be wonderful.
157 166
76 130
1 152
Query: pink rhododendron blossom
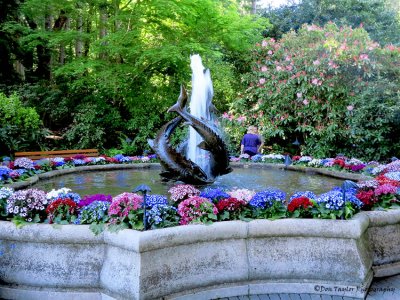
305 102
241 119
264 43
264 69
262 80
316 62
364 56
350 107
299 95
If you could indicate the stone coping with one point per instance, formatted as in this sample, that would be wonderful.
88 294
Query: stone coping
251 257
47 175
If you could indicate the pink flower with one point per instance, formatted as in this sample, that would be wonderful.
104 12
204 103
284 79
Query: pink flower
279 68
270 52
385 189
305 102
299 95
316 62
364 56
264 69
241 119
262 80
314 81
350 107
264 43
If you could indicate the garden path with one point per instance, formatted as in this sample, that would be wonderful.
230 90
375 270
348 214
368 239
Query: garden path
381 289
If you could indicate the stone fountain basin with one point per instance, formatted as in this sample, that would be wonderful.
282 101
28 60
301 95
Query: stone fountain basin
42 261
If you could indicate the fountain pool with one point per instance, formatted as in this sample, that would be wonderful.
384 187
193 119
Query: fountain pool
117 181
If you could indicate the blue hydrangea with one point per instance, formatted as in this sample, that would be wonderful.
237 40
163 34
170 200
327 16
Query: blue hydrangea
78 162
266 198
119 157
58 161
125 159
257 158
70 195
334 200
152 200
214 194
307 194
95 212
4 173
24 163
5 193
351 190
20 171
393 175
160 213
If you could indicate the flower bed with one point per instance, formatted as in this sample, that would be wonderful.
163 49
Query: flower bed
260 242
185 262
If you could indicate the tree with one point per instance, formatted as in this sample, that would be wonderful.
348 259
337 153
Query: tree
377 17
125 59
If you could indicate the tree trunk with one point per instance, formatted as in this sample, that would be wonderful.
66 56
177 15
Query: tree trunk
103 26
79 43
43 70
253 7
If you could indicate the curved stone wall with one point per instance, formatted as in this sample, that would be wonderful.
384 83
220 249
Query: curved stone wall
197 261
336 257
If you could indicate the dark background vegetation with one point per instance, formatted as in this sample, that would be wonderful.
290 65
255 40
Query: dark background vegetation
102 73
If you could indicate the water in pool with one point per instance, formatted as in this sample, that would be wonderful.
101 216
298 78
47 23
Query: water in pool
117 181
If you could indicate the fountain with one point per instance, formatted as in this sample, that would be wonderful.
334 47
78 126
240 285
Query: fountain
207 154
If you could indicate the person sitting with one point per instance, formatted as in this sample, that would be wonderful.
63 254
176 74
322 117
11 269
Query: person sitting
251 142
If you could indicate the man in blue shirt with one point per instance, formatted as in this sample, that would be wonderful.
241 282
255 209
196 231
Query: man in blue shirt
251 142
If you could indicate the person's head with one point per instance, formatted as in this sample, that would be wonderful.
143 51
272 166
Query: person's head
252 129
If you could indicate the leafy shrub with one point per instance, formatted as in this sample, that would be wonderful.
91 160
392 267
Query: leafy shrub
20 126
334 89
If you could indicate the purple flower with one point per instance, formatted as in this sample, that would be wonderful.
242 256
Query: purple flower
88 199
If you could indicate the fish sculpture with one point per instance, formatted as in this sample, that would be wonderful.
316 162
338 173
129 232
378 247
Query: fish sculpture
212 141
175 165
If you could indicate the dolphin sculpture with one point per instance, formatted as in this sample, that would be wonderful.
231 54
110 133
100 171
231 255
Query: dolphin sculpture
175 165
212 141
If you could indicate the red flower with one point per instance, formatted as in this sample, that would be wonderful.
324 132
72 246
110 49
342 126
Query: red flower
230 204
384 180
367 197
61 207
296 157
339 162
299 202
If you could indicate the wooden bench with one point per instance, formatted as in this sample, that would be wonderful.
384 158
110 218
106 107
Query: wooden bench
57 153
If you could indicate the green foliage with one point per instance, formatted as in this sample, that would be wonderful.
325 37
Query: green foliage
276 211
378 17
20 126
321 212
335 90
